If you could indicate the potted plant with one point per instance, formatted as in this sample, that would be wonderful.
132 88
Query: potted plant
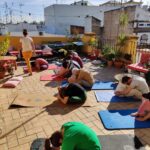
110 57
117 59
108 54
3 50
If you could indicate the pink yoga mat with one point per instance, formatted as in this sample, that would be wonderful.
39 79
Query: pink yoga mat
49 77
52 67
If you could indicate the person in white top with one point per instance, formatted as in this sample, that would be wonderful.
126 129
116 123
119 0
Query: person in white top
132 87
27 49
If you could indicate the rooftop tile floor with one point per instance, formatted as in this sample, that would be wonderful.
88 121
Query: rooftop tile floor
21 125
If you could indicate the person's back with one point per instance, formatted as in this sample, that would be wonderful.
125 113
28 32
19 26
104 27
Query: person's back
85 75
140 84
27 49
26 43
78 136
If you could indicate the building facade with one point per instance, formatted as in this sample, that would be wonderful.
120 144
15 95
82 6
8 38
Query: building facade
138 22
60 18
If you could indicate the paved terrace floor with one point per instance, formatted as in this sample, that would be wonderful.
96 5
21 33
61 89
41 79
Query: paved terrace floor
20 126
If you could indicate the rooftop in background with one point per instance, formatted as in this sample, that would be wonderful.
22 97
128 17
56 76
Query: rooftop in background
36 33
115 3
82 3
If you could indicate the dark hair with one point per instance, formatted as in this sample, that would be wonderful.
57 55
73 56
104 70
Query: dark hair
146 95
125 79
55 139
25 32
65 63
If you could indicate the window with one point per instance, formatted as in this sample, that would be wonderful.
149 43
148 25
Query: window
141 24
148 24
76 29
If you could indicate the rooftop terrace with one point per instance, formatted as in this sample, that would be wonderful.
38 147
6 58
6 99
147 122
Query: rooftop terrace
21 126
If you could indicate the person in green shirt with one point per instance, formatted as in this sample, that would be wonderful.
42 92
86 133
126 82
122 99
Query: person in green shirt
74 136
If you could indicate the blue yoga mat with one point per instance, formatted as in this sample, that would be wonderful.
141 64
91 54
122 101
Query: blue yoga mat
121 119
64 83
100 85
109 96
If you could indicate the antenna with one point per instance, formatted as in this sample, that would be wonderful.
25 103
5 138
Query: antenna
6 11
0 17
11 12
20 5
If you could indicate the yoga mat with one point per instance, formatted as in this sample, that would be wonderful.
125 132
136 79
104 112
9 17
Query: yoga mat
100 85
49 77
52 67
120 142
109 96
121 119
64 83
33 100
108 142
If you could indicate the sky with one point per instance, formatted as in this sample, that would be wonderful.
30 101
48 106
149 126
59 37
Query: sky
33 10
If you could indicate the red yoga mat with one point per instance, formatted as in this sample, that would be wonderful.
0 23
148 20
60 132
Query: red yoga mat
49 77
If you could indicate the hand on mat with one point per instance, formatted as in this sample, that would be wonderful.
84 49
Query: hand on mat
134 114
118 93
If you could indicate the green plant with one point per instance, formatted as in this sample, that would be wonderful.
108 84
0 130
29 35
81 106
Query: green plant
123 19
4 45
121 39
107 50
93 42
118 55
110 56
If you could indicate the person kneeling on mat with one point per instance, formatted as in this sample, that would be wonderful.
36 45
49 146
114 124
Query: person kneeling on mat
143 112
132 87
73 136
41 64
73 93
82 77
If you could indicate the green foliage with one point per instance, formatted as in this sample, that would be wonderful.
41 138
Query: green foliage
123 20
121 39
107 49
108 52
118 54
110 56
4 45
93 42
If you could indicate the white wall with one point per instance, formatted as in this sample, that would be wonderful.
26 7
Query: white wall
58 18
142 14
88 24
20 27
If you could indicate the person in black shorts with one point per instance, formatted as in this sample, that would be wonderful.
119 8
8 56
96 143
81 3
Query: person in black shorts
73 93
